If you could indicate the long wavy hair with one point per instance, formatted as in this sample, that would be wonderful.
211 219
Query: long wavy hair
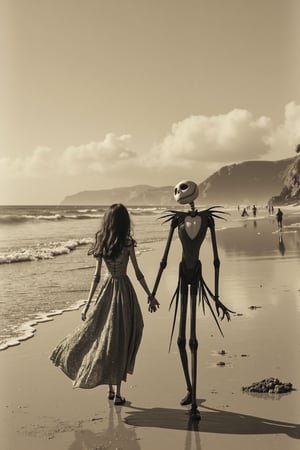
114 234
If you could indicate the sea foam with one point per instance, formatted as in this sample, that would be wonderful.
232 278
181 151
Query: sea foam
27 330
43 251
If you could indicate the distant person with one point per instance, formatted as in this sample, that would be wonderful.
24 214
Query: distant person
254 209
244 213
279 217
102 350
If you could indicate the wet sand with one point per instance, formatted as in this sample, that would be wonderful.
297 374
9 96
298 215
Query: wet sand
40 409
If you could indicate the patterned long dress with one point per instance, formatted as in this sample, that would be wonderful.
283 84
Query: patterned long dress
103 349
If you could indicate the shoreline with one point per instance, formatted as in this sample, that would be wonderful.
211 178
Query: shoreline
28 328
40 408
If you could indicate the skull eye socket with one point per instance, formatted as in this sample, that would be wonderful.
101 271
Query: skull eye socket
183 186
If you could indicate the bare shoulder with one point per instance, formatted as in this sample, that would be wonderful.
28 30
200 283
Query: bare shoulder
130 242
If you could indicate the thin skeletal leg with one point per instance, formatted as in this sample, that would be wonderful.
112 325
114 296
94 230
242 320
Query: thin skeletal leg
193 343
181 341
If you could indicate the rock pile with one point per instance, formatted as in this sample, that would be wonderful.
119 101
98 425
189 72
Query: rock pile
269 385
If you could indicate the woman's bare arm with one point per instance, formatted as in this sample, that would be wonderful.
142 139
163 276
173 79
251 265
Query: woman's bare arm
94 284
153 303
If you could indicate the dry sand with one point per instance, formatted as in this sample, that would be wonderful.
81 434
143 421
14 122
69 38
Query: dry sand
41 410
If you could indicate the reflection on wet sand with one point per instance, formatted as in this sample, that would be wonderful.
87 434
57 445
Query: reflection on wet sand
261 240
281 245
117 435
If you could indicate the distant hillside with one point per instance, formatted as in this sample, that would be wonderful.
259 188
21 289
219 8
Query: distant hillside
133 196
290 192
246 182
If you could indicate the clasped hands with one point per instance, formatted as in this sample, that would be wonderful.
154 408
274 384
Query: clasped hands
153 304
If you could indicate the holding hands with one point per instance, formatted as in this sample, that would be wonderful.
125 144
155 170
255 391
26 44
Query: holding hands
153 304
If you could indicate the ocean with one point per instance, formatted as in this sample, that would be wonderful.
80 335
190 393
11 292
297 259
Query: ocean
45 269
44 266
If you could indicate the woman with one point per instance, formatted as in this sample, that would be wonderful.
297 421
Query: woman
103 349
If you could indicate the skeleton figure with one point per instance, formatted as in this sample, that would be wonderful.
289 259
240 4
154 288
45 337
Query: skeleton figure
192 228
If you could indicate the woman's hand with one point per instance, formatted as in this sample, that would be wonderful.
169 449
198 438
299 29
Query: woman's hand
84 312
153 304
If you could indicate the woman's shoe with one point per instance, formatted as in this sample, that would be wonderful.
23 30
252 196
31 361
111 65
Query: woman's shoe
110 394
119 400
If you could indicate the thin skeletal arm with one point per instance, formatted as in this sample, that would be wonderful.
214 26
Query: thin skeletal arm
219 305
163 263
215 256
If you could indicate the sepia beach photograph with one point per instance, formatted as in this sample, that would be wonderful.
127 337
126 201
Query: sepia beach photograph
150 225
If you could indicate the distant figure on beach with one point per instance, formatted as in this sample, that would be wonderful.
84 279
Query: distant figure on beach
244 213
279 217
254 210
103 349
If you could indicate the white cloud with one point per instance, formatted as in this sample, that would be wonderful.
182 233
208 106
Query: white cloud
98 156
286 137
37 164
94 157
197 145
225 138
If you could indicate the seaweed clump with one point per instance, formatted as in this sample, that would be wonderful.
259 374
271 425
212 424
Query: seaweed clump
270 386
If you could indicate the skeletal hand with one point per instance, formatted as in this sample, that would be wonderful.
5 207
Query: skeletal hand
225 311
153 304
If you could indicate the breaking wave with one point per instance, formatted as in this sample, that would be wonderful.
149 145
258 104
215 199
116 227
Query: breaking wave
43 251
21 218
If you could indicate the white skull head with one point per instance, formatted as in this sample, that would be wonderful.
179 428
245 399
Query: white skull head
186 192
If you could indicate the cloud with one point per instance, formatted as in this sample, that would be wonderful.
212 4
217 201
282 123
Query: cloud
197 145
286 137
98 156
95 157
225 138
35 165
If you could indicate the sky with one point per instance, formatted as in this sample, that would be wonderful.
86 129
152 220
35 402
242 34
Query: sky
98 94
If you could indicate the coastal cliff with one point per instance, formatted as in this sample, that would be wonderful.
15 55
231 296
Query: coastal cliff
290 192
246 182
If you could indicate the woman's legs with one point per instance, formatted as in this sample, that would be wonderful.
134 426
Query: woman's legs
110 392
118 393
119 400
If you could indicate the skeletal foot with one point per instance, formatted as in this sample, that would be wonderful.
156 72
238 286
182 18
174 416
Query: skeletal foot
187 400
194 413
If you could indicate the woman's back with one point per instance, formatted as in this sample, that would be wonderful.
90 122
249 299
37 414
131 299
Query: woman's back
117 267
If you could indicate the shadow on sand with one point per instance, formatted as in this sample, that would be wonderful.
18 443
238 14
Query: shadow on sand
121 432
212 421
